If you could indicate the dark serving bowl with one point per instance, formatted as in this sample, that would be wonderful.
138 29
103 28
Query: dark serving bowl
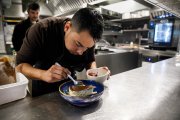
81 101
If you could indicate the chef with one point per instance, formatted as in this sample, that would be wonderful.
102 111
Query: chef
21 28
70 42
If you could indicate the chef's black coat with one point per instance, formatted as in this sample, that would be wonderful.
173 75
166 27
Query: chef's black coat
44 45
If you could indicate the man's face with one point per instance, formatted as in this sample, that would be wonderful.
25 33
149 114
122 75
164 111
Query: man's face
33 15
77 43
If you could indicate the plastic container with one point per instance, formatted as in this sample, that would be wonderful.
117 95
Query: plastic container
14 91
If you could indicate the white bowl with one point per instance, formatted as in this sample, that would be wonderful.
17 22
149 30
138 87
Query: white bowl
98 74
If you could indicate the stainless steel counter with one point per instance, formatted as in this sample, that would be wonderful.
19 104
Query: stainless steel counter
144 51
151 92
119 61
157 52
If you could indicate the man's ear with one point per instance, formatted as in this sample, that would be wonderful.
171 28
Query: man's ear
67 26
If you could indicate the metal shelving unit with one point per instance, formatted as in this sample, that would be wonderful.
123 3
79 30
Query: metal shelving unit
112 33
136 30
130 19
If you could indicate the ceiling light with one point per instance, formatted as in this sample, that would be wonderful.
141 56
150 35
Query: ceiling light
47 1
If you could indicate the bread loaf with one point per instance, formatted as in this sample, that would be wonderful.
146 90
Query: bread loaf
7 72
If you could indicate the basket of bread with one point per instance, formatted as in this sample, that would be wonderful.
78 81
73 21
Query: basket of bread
12 84
7 70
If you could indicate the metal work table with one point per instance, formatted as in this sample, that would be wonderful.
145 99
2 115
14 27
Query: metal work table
151 92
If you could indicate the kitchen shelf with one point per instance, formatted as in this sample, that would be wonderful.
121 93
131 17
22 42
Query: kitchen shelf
110 17
135 30
112 33
121 32
130 19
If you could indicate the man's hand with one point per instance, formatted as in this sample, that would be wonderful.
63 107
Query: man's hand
55 73
106 68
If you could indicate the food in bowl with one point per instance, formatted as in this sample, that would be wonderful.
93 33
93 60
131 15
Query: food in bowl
81 90
98 74
93 74
81 101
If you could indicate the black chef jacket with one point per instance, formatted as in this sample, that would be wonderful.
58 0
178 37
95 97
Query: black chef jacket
19 33
44 45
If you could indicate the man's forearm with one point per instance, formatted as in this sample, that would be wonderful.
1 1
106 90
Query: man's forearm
30 71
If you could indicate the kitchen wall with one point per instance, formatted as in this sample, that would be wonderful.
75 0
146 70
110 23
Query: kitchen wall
15 10
128 37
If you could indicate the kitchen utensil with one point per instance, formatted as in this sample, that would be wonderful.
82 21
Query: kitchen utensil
71 78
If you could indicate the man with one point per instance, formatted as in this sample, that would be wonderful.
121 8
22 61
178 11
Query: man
21 28
68 42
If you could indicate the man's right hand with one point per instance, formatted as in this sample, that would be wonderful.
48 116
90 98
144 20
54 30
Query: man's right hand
55 73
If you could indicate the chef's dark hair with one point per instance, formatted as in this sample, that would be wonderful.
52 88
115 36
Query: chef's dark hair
33 6
88 19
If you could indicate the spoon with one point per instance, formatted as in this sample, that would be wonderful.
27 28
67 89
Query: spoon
71 78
